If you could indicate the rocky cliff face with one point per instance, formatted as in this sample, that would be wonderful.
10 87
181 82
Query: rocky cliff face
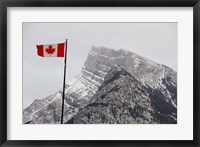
155 75
99 62
121 99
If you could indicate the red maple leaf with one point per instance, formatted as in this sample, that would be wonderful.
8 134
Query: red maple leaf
50 50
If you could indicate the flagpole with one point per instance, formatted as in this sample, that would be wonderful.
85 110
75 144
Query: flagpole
63 95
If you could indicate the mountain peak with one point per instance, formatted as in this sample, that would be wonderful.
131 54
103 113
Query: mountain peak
121 99
105 67
110 51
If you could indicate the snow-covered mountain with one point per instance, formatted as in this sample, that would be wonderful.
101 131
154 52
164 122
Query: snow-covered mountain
121 99
99 62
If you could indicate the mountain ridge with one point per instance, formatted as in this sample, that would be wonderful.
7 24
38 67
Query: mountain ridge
122 99
97 65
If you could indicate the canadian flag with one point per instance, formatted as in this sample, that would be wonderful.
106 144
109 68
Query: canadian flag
51 50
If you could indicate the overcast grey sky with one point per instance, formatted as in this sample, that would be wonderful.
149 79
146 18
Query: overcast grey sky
44 76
